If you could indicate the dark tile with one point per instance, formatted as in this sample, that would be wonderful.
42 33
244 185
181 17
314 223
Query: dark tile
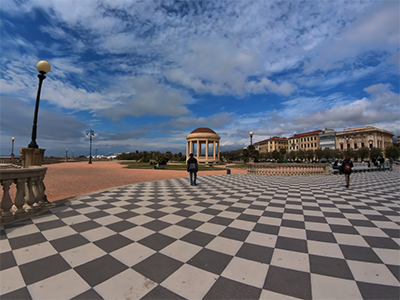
43 268
88 295
328 214
359 253
26 240
288 282
113 242
211 211
156 206
180 205
96 214
329 266
362 223
313 208
100 269
156 225
79 206
395 271
121 226
157 267
394 233
50 225
293 224
377 291
315 219
198 238
377 218
381 242
235 234
255 252
264 228
184 213
160 292
68 242
189 223
225 288
320 236
204 204
293 211
291 244
257 207
343 229
85 226
221 221
156 214
389 212
126 215
272 214
7 260
105 206
157 241
19 294
130 206
210 261
66 214
349 211
236 209
277 204
250 218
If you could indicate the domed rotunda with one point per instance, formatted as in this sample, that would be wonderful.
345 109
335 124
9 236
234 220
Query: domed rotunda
199 137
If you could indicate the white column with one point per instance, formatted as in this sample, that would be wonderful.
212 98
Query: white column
207 150
198 149
218 150
187 149
214 150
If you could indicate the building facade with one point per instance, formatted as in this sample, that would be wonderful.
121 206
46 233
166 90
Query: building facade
327 139
368 136
274 143
305 141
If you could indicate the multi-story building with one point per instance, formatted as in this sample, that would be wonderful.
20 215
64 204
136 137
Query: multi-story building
293 143
368 136
305 141
274 143
327 139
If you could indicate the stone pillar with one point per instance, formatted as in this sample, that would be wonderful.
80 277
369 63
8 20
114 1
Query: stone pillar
218 151
207 150
31 156
214 150
198 149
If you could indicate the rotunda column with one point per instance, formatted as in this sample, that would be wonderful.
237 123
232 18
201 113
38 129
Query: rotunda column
218 151
198 149
207 150
214 150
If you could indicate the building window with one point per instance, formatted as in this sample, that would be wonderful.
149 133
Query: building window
348 146
341 146
362 145
315 144
355 145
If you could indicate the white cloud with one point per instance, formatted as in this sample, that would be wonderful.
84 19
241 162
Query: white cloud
214 121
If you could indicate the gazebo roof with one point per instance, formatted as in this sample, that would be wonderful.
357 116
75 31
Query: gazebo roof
203 130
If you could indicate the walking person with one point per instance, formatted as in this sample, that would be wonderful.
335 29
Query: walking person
192 168
390 164
346 169
382 163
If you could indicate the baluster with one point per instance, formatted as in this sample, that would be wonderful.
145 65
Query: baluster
29 196
6 202
19 200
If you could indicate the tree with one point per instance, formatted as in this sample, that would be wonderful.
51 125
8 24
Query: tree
282 151
319 153
276 155
301 154
392 152
375 152
310 154
292 155
328 153
338 154
363 153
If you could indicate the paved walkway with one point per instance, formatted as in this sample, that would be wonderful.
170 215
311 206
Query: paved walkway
230 237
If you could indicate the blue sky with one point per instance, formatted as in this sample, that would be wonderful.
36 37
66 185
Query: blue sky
144 74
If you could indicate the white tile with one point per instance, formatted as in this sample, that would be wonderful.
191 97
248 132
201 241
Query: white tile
372 273
126 285
132 254
291 260
201 217
350 239
181 250
172 219
176 231
324 249
262 239
241 224
313 213
275 209
268 295
44 218
294 217
253 212
87 210
293 232
33 252
355 216
229 214
10 280
116 210
82 254
4 246
137 233
65 285
195 208
388 225
190 282
370 231
107 220
211 228
246 271
168 209
75 220
97 233
140 220
270 221
224 245
331 288
317 226
21 230
57 233
338 221
388 256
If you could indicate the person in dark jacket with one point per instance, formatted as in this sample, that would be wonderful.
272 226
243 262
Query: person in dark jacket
192 168
347 165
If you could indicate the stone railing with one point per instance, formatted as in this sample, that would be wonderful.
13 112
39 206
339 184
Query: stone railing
288 169
27 196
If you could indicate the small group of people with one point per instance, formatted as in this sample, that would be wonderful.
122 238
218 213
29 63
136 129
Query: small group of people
380 161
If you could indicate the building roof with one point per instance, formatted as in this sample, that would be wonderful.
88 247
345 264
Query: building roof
306 133
275 138
203 130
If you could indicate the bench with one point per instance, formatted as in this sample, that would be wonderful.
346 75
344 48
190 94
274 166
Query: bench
159 167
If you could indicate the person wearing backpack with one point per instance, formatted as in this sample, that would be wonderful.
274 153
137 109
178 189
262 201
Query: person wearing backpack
346 169
192 168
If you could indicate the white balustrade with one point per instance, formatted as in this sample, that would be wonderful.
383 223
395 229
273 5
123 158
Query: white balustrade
288 169
30 191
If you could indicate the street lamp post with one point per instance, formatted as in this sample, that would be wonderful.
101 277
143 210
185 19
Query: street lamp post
251 138
43 68
12 146
90 134
73 153
66 154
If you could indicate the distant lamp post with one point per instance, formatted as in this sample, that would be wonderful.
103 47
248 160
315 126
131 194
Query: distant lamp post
73 153
90 134
251 138
12 146
43 68
66 154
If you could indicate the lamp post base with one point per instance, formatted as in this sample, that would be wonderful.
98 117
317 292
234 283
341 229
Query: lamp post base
31 156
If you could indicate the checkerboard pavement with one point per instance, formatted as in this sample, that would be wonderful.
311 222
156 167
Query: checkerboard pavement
230 237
